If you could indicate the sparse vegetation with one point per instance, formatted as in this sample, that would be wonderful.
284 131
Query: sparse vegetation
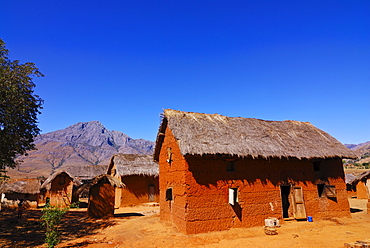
51 217
362 162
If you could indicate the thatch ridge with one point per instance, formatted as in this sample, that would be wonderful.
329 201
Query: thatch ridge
135 164
48 181
86 172
211 134
22 186
112 180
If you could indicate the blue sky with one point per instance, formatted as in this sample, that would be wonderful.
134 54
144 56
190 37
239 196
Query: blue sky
123 62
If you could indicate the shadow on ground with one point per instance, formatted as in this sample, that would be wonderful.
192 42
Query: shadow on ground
127 215
28 231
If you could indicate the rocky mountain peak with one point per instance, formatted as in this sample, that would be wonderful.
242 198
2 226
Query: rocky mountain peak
81 144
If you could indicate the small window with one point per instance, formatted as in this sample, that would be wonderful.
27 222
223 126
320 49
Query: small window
169 196
62 179
330 191
230 166
233 196
169 155
320 190
316 166
326 190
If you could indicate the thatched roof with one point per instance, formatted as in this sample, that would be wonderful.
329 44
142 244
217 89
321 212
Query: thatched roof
22 186
134 164
350 178
353 179
48 181
112 181
87 171
209 134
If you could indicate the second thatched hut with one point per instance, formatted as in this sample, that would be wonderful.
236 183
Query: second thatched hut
102 196
60 187
139 173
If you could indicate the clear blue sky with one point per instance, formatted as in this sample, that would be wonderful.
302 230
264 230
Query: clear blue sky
123 62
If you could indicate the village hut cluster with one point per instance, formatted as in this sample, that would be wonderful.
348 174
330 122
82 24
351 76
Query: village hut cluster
211 172
129 179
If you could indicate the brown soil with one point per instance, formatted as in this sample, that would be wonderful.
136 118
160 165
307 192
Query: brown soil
139 226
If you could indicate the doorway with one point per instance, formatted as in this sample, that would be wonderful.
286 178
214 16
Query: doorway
285 192
292 202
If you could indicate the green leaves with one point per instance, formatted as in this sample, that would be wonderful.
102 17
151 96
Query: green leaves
19 107
51 217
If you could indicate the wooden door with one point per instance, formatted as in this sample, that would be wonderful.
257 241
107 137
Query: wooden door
299 209
151 193
117 197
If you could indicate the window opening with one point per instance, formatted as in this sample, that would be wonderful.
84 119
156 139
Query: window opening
233 196
169 155
169 196
330 191
316 166
62 179
320 189
230 166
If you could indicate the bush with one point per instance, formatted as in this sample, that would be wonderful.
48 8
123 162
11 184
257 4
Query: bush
51 217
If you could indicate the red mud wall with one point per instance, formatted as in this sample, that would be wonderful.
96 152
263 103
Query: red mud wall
200 187
172 175
137 190
101 201
362 190
61 191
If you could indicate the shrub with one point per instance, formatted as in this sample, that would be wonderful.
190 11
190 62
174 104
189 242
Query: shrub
51 217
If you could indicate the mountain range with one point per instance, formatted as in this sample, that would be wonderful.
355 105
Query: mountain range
84 143
90 143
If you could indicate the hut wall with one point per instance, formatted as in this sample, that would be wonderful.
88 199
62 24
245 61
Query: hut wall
61 190
351 190
139 189
200 189
259 194
101 200
362 189
172 178
21 196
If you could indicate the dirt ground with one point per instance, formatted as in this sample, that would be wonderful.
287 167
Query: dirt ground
140 226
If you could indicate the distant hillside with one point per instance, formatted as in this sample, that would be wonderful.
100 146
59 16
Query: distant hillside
84 143
362 147
363 151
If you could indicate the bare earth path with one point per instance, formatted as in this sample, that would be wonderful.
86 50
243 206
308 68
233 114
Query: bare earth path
149 231
140 226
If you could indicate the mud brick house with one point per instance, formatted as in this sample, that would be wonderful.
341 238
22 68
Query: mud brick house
60 187
359 185
139 173
102 196
25 189
85 174
218 172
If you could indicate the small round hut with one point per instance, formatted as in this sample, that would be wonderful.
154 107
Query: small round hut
102 196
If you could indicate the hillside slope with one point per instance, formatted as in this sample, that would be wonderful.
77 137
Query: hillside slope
84 143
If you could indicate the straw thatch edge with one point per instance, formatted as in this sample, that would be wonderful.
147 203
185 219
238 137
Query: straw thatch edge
213 134
48 181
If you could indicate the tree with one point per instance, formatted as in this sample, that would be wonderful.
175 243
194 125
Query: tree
19 107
